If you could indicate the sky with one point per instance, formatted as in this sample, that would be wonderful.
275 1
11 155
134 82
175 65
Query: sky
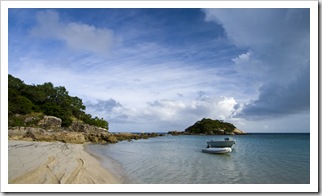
164 69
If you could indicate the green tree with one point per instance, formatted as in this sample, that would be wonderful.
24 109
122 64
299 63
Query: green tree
209 126
49 100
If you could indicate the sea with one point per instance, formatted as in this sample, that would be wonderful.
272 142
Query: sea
257 158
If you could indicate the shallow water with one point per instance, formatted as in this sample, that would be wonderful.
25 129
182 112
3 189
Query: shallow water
255 159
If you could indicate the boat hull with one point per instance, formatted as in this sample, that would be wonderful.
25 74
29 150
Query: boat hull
221 144
217 150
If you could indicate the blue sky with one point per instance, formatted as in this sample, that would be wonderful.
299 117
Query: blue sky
164 69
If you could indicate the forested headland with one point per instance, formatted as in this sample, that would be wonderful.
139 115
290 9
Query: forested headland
46 99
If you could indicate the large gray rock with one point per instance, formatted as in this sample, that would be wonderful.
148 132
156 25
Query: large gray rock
17 133
50 122
39 134
29 119
238 132
71 137
80 127
85 128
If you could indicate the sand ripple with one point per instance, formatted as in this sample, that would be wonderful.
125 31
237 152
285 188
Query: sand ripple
55 163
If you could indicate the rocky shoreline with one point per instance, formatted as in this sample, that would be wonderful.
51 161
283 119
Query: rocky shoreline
49 129
71 136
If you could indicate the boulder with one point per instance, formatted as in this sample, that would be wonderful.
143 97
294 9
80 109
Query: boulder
50 122
238 132
17 133
79 127
85 128
221 131
71 137
99 137
112 139
39 134
29 119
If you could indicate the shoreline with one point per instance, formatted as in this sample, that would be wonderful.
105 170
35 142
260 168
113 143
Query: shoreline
31 162
110 164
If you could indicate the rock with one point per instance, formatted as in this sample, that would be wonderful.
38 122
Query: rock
112 139
85 128
49 129
29 119
17 133
39 134
79 127
238 132
221 131
176 132
71 137
49 122
101 129
100 137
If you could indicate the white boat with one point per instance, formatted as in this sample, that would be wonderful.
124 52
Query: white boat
217 150
228 142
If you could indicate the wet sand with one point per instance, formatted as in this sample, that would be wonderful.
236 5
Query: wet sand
55 163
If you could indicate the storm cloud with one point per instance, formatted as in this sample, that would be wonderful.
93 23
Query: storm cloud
279 41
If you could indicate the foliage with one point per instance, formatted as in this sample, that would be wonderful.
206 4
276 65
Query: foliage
209 126
49 100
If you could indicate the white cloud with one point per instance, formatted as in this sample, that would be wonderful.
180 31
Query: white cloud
165 114
76 35
243 58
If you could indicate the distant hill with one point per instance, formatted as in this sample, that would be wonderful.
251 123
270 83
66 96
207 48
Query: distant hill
213 127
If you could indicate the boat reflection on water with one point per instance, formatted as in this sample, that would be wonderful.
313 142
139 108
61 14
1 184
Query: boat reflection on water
217 150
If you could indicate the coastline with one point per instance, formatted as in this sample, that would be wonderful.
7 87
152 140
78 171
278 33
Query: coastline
110 164
55 163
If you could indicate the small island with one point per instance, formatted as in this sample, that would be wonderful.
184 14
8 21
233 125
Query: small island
207 126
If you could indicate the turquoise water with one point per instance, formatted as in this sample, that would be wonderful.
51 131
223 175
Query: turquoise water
255 159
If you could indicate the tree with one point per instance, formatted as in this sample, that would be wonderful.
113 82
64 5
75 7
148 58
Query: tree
209 126
49 100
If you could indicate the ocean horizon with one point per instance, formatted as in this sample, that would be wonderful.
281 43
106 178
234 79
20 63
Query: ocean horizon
256 158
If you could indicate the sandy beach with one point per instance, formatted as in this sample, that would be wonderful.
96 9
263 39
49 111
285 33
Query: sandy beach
55 163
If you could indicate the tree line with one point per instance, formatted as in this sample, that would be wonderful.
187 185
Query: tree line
49 100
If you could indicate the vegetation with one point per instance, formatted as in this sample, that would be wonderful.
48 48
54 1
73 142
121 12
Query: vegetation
48 100
209 127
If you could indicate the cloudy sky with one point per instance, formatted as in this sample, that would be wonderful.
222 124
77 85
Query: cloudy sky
164 69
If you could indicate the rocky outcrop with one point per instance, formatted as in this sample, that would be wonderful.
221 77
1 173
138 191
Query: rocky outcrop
238 132
17 133
49 129
66 136
85 128
30 119
174 133
39 134
71 137
50 122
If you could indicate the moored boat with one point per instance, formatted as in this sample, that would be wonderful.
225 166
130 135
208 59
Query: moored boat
228 142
